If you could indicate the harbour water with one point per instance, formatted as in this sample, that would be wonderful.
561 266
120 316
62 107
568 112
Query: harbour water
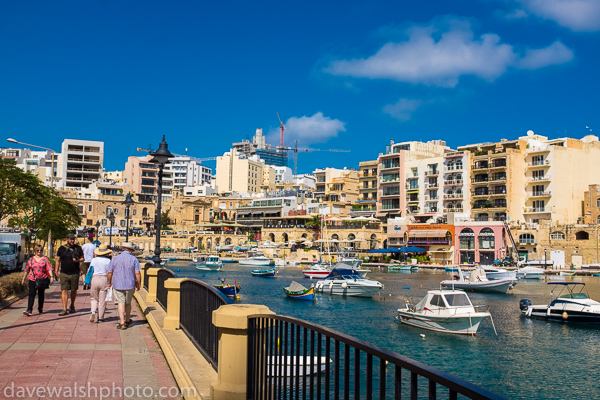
528 359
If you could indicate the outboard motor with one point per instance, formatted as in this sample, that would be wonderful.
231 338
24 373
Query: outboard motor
524 304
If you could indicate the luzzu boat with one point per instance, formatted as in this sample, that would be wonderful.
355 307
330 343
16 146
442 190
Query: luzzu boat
571 304
228 290
448 311
345 281
267 273
299 292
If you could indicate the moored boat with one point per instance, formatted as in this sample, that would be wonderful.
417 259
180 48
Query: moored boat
479 282
530 272
448 311
299 292
256 260
210 263
228 290
570 304
345 281
265 273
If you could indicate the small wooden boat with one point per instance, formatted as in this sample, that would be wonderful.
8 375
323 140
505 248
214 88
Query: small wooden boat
228 290
565 273
266 273
297 291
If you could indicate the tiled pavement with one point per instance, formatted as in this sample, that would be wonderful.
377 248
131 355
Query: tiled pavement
81 359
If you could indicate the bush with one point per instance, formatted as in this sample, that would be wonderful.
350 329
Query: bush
10 285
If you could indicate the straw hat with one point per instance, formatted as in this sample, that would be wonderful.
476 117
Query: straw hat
127 246
102 250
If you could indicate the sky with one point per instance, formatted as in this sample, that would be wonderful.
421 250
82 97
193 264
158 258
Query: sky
345 75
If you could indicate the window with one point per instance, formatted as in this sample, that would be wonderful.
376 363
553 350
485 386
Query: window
133 211
116 211
467 239
80 208
108 210
436 300
598 202
582 235
122 222
486 239
526 238
89 208
457 300
104 222
557 236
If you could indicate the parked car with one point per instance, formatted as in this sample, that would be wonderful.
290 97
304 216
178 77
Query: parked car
186 233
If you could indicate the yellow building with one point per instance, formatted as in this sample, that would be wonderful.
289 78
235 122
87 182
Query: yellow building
337 190
238 173
366 204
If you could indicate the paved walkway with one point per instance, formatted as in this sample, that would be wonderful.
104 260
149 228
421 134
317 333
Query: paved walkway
43 354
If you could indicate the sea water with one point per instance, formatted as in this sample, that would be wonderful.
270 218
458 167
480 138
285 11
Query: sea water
528 359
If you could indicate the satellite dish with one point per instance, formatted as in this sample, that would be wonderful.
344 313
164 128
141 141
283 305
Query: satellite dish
530 133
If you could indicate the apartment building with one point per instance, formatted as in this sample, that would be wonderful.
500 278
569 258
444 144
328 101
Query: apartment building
141 177
188 171
456 187
238 173
367 189
497 180
424 188
263 150
336 189
80 163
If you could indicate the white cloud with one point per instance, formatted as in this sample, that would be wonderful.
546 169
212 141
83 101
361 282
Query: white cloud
437 55
403 109
517 14
577 15
556 53
308 130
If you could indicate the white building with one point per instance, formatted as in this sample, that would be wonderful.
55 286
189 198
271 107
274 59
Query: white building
188 171
199 191
80 163
283 174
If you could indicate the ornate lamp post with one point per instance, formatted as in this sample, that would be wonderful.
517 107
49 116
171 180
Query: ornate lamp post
160 157
111 217
97 228
128 202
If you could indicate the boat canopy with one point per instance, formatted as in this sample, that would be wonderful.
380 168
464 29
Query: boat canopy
566 283
295 287
343 270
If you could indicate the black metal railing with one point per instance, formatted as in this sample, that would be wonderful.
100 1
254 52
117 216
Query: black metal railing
295 359
161 292
146 267
198 301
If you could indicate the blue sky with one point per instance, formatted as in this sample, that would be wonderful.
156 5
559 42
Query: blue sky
341 74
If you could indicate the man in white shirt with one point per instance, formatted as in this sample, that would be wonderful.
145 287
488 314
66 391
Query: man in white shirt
88 254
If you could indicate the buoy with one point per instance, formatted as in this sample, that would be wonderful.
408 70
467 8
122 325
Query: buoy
205 274
177 269
421 285
344 285
565 315
390 295
422 335
405 287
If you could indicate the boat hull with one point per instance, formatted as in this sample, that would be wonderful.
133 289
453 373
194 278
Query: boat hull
229 290
464 324
207 267
562 314
254 263
492 286
350 290
269 273
307 295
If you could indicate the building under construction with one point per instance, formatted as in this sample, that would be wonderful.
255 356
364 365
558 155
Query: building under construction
258 146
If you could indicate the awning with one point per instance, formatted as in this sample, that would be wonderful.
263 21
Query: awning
243 213
430 233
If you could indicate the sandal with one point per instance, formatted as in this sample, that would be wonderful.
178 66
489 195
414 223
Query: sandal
122 326
127 323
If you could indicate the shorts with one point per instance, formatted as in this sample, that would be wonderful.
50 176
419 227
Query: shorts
84 267
69 282
123 296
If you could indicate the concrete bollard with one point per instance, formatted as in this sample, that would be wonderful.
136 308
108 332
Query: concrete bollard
173 286
232 321
152 282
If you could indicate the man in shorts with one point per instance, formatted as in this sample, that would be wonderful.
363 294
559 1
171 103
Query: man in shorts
68 260
123 275
88 253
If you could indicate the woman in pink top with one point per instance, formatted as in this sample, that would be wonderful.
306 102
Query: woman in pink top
38 267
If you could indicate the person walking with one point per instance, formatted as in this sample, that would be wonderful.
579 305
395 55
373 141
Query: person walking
99 282
124 277
69 257
88 254
38 268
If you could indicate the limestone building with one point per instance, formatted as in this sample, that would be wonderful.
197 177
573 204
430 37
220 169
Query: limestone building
239 173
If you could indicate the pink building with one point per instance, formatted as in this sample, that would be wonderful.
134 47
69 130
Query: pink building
479 242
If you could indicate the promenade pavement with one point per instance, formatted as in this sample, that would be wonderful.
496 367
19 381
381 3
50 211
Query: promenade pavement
45 353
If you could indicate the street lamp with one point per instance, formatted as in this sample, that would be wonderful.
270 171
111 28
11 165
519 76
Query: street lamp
97 228
128 202
11 140
545 251
160 157
111 217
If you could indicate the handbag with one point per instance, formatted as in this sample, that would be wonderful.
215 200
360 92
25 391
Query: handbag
42 283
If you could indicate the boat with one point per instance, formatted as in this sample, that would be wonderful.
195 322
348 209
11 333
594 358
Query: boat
399 267
317 271
493 272
266 273
565 273
571 304
299 292
478 282
346 281
256 260
448 311
282 263
228 290
296 365
451 269
530 272
210 263
172 259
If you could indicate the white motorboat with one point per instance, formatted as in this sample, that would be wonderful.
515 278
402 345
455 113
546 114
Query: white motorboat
530 272
493 272
318 271
256 260
567 273
448 311
478 282
571 304
210 263
345 281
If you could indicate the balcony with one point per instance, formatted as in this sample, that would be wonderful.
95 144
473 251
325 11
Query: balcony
432 210
538 149
538 164
480 194
498 165
479 182
525 242
540 194
453 195
498 178
479 166
389 180
434 185
412 200
454 168
535 210
431 173
453 209
538 178
412 189
388 194
497 206
389 166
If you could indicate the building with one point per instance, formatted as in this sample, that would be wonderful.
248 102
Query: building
456 188
141 177
188 171
116 176
366 204
337 190
199 191
80 163
36 162
238 173
264 151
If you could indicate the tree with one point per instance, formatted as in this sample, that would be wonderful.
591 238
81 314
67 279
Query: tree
314 222
18 189
165 220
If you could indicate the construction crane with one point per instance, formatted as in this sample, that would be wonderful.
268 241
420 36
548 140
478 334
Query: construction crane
179 155
282 129
297 149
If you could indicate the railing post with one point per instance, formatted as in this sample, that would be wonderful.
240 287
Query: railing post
152 278
172 285
232 321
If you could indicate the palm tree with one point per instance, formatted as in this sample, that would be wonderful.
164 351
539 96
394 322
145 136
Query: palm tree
314 222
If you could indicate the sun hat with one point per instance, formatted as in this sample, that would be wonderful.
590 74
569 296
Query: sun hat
128 246
102 250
